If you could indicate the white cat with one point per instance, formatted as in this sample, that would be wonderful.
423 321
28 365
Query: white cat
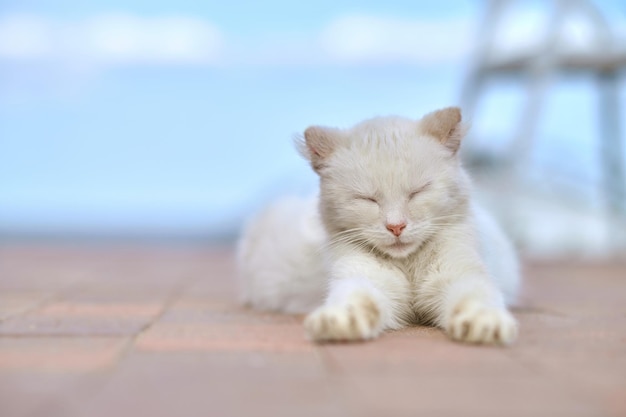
393 240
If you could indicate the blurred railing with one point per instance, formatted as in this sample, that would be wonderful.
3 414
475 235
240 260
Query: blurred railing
602 56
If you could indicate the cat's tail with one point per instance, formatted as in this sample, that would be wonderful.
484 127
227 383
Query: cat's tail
280 258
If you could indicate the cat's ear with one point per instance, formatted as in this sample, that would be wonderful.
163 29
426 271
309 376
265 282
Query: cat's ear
318 144
445 125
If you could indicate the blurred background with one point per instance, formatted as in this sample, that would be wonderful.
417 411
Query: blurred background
172 121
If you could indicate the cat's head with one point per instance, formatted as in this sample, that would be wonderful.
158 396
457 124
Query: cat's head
389 183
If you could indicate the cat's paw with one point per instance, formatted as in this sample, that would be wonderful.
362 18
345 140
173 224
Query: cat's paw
476 323
358 319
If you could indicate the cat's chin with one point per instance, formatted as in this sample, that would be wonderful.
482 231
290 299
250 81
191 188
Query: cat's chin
399 249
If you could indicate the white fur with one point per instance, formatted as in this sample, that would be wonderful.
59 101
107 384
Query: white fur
450 267
279 258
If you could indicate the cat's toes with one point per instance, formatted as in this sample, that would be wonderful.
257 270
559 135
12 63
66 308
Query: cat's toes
357 320
475 323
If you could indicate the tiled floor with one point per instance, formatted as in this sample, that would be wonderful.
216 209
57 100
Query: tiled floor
154 331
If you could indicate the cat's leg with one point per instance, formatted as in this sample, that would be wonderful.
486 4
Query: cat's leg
467 304
365 298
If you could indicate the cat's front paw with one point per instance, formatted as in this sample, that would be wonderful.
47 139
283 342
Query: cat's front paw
358 319
474 322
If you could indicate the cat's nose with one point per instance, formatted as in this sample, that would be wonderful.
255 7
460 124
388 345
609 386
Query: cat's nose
396 229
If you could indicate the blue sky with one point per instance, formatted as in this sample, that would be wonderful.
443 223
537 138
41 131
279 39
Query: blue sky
176 117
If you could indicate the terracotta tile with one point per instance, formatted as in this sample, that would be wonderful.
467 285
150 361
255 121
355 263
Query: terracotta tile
99 310
421 350
206 355
616 402
588 355
224 337
186 310
223 364
221 384
59 354
82 320
14 303
472 395
46 394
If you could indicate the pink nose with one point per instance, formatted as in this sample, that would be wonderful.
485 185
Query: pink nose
396 229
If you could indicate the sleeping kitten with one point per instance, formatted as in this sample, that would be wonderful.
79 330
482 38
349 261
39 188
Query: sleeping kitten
394 238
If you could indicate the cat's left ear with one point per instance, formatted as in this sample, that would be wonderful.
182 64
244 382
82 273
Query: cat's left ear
445 125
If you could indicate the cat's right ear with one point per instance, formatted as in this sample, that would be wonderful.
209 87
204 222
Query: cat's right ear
317 145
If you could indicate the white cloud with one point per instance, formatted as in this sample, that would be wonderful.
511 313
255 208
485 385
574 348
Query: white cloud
363 39
118 39
163 40
370 39
111 40
24 37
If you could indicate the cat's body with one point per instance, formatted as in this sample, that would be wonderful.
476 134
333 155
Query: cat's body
394 239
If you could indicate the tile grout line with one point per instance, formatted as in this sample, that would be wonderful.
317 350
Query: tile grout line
130 340
36 306
57 295
172 297
44 302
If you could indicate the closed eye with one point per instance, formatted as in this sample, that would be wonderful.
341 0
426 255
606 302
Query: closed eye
418 190
366 198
